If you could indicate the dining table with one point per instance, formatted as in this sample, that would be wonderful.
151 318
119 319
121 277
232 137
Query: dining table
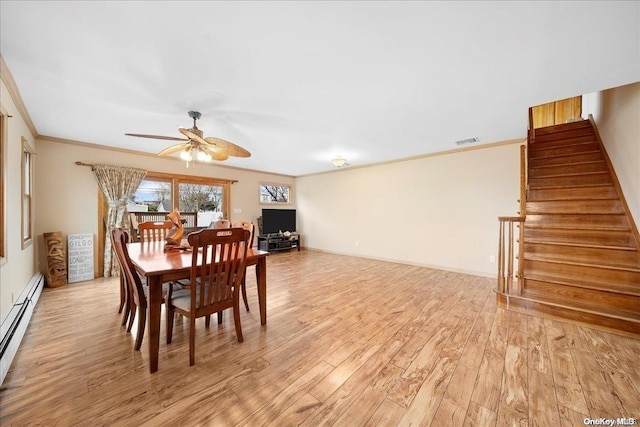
158 266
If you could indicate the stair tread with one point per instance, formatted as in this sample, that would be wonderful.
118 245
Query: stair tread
580 245
579 213
574 200
621 314
568 154
570 174
560 143
555 260
566 164
571 186
620 229
565 281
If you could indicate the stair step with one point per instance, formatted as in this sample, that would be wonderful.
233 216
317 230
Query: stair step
573 168
579 221
585 296
603 206
610 319
576 124
623 256
571 234
563 142
568 180
562 150
554 133
617 278
590 192
580 157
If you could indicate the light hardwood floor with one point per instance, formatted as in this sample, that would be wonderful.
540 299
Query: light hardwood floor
348 342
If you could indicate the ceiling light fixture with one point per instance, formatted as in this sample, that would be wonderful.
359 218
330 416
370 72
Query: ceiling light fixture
339 161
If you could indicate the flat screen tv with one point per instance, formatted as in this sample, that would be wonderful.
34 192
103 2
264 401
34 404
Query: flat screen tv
277 220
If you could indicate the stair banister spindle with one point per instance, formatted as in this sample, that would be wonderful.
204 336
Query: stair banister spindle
510 259
500 252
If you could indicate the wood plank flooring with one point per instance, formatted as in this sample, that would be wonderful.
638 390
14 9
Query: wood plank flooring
348 342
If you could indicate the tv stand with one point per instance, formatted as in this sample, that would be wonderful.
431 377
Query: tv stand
276 243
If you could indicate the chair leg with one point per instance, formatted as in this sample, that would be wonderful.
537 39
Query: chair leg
207 320
132 314
170 315
236 319
219 318
126 313
243 287
141 324
123 293
192 341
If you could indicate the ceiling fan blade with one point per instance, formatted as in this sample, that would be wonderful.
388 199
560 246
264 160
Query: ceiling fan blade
233 149
214 152
192 135
170 138
172 149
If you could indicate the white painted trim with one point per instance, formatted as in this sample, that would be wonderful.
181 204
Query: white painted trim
14 325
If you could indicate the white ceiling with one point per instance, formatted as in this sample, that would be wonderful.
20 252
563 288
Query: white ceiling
297 83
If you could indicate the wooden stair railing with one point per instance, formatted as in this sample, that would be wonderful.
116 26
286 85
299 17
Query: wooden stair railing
507 238
506 255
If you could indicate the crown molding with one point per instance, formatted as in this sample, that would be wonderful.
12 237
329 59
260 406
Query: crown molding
144 153
424 156
12 88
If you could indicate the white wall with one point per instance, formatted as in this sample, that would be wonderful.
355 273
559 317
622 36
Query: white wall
17 267
619 127
68 194
439 211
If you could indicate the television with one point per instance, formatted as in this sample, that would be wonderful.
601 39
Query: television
276 220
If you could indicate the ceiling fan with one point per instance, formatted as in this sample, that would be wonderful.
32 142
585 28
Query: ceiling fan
195 146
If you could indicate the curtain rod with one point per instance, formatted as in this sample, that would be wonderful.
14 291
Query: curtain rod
85 164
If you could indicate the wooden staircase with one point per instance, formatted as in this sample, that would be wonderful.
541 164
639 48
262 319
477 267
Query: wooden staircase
580 251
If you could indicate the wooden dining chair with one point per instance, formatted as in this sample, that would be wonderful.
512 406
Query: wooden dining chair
137 291
217 268
124 287
221 223
137 297
154 231
247 225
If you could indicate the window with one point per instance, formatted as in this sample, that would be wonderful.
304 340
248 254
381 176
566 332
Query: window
152 195
3 144
273 193
199 200
27 192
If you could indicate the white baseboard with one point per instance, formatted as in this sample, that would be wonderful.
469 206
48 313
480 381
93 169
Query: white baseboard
15 324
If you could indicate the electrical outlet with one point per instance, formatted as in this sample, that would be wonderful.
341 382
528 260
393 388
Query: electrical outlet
492 258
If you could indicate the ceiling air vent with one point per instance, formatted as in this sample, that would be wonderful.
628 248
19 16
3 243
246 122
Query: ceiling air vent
467 141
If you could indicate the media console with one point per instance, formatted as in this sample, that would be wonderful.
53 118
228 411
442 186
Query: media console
277 243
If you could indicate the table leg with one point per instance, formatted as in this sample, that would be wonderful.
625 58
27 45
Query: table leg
261 279
155 306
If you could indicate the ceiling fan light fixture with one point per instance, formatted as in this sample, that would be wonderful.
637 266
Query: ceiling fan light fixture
194 146
203 157
186 155
339 161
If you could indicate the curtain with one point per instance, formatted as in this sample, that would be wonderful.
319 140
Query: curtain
118 184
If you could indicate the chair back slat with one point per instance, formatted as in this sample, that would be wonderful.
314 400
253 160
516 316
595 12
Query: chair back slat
219 281
154 231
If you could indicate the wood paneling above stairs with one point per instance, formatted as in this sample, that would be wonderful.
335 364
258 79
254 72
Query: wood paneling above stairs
580 257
